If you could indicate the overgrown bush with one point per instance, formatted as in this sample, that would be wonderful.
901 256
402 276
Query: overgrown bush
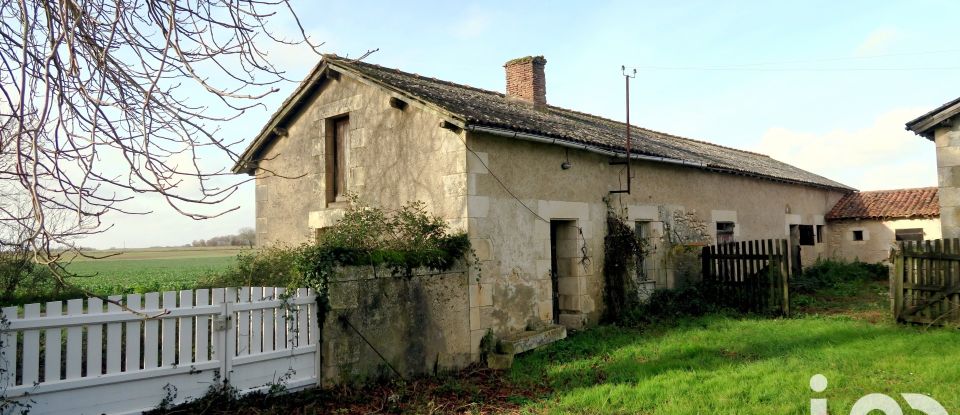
272 266
831 274
406 238
23 281
668 305
400 240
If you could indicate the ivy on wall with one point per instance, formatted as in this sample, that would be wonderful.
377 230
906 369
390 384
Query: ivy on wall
622 248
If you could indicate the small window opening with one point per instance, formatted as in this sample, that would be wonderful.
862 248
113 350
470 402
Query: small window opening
857 235
912 234
642 230
725 232
819 234
337 158
806 235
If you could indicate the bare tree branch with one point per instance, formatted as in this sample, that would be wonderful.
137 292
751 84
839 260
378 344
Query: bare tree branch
105 100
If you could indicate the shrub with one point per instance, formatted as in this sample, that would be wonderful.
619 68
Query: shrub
835 274
24 281
271 266
401 240
668 305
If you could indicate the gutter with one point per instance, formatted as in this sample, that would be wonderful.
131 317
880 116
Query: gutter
536 138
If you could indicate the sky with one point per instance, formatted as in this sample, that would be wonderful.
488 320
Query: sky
824 85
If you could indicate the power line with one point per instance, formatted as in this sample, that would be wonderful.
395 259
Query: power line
729 69
504 186
747 66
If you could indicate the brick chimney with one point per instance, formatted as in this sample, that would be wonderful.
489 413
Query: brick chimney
526 81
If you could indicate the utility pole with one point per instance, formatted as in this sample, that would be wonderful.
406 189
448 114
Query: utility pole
627 77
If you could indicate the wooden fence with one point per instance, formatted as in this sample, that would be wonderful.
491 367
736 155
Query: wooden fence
925 282
751 276
97 359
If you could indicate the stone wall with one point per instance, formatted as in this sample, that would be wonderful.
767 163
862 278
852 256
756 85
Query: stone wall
515 235
419 323
394 156
947 140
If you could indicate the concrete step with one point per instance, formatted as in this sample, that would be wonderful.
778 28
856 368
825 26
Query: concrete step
530 339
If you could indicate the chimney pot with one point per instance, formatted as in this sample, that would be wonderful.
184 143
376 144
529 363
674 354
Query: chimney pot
526 80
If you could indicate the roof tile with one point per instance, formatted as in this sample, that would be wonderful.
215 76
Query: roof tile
888 204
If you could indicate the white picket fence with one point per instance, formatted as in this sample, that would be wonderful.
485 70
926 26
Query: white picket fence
95 359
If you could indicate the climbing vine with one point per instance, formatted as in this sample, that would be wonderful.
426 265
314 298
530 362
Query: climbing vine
622 250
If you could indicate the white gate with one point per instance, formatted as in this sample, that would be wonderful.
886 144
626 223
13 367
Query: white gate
93 360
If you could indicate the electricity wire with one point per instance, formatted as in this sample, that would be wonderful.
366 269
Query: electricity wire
497 178
747 66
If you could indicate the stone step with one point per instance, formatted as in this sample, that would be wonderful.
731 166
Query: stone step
530 339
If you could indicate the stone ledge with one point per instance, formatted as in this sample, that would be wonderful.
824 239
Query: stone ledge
531 339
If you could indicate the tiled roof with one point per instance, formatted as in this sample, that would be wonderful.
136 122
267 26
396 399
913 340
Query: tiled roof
888 204
482 108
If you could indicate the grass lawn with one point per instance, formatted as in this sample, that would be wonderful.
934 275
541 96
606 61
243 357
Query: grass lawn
718 364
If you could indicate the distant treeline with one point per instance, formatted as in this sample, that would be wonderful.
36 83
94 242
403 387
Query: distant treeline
245 237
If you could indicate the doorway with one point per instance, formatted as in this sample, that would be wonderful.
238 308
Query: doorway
563 251
795 256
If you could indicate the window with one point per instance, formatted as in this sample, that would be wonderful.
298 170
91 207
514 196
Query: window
642 230
806 235
857 235
913 234
819 234
337 145
725 232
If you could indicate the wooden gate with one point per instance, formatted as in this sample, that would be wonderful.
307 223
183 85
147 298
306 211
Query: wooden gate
751 276
925 281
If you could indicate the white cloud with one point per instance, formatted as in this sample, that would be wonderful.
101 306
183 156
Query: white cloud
876 42
879 156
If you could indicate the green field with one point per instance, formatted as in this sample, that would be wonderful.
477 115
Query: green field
137 271
146 270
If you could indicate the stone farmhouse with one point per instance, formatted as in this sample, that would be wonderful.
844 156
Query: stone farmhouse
866 225
529 182
942 126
